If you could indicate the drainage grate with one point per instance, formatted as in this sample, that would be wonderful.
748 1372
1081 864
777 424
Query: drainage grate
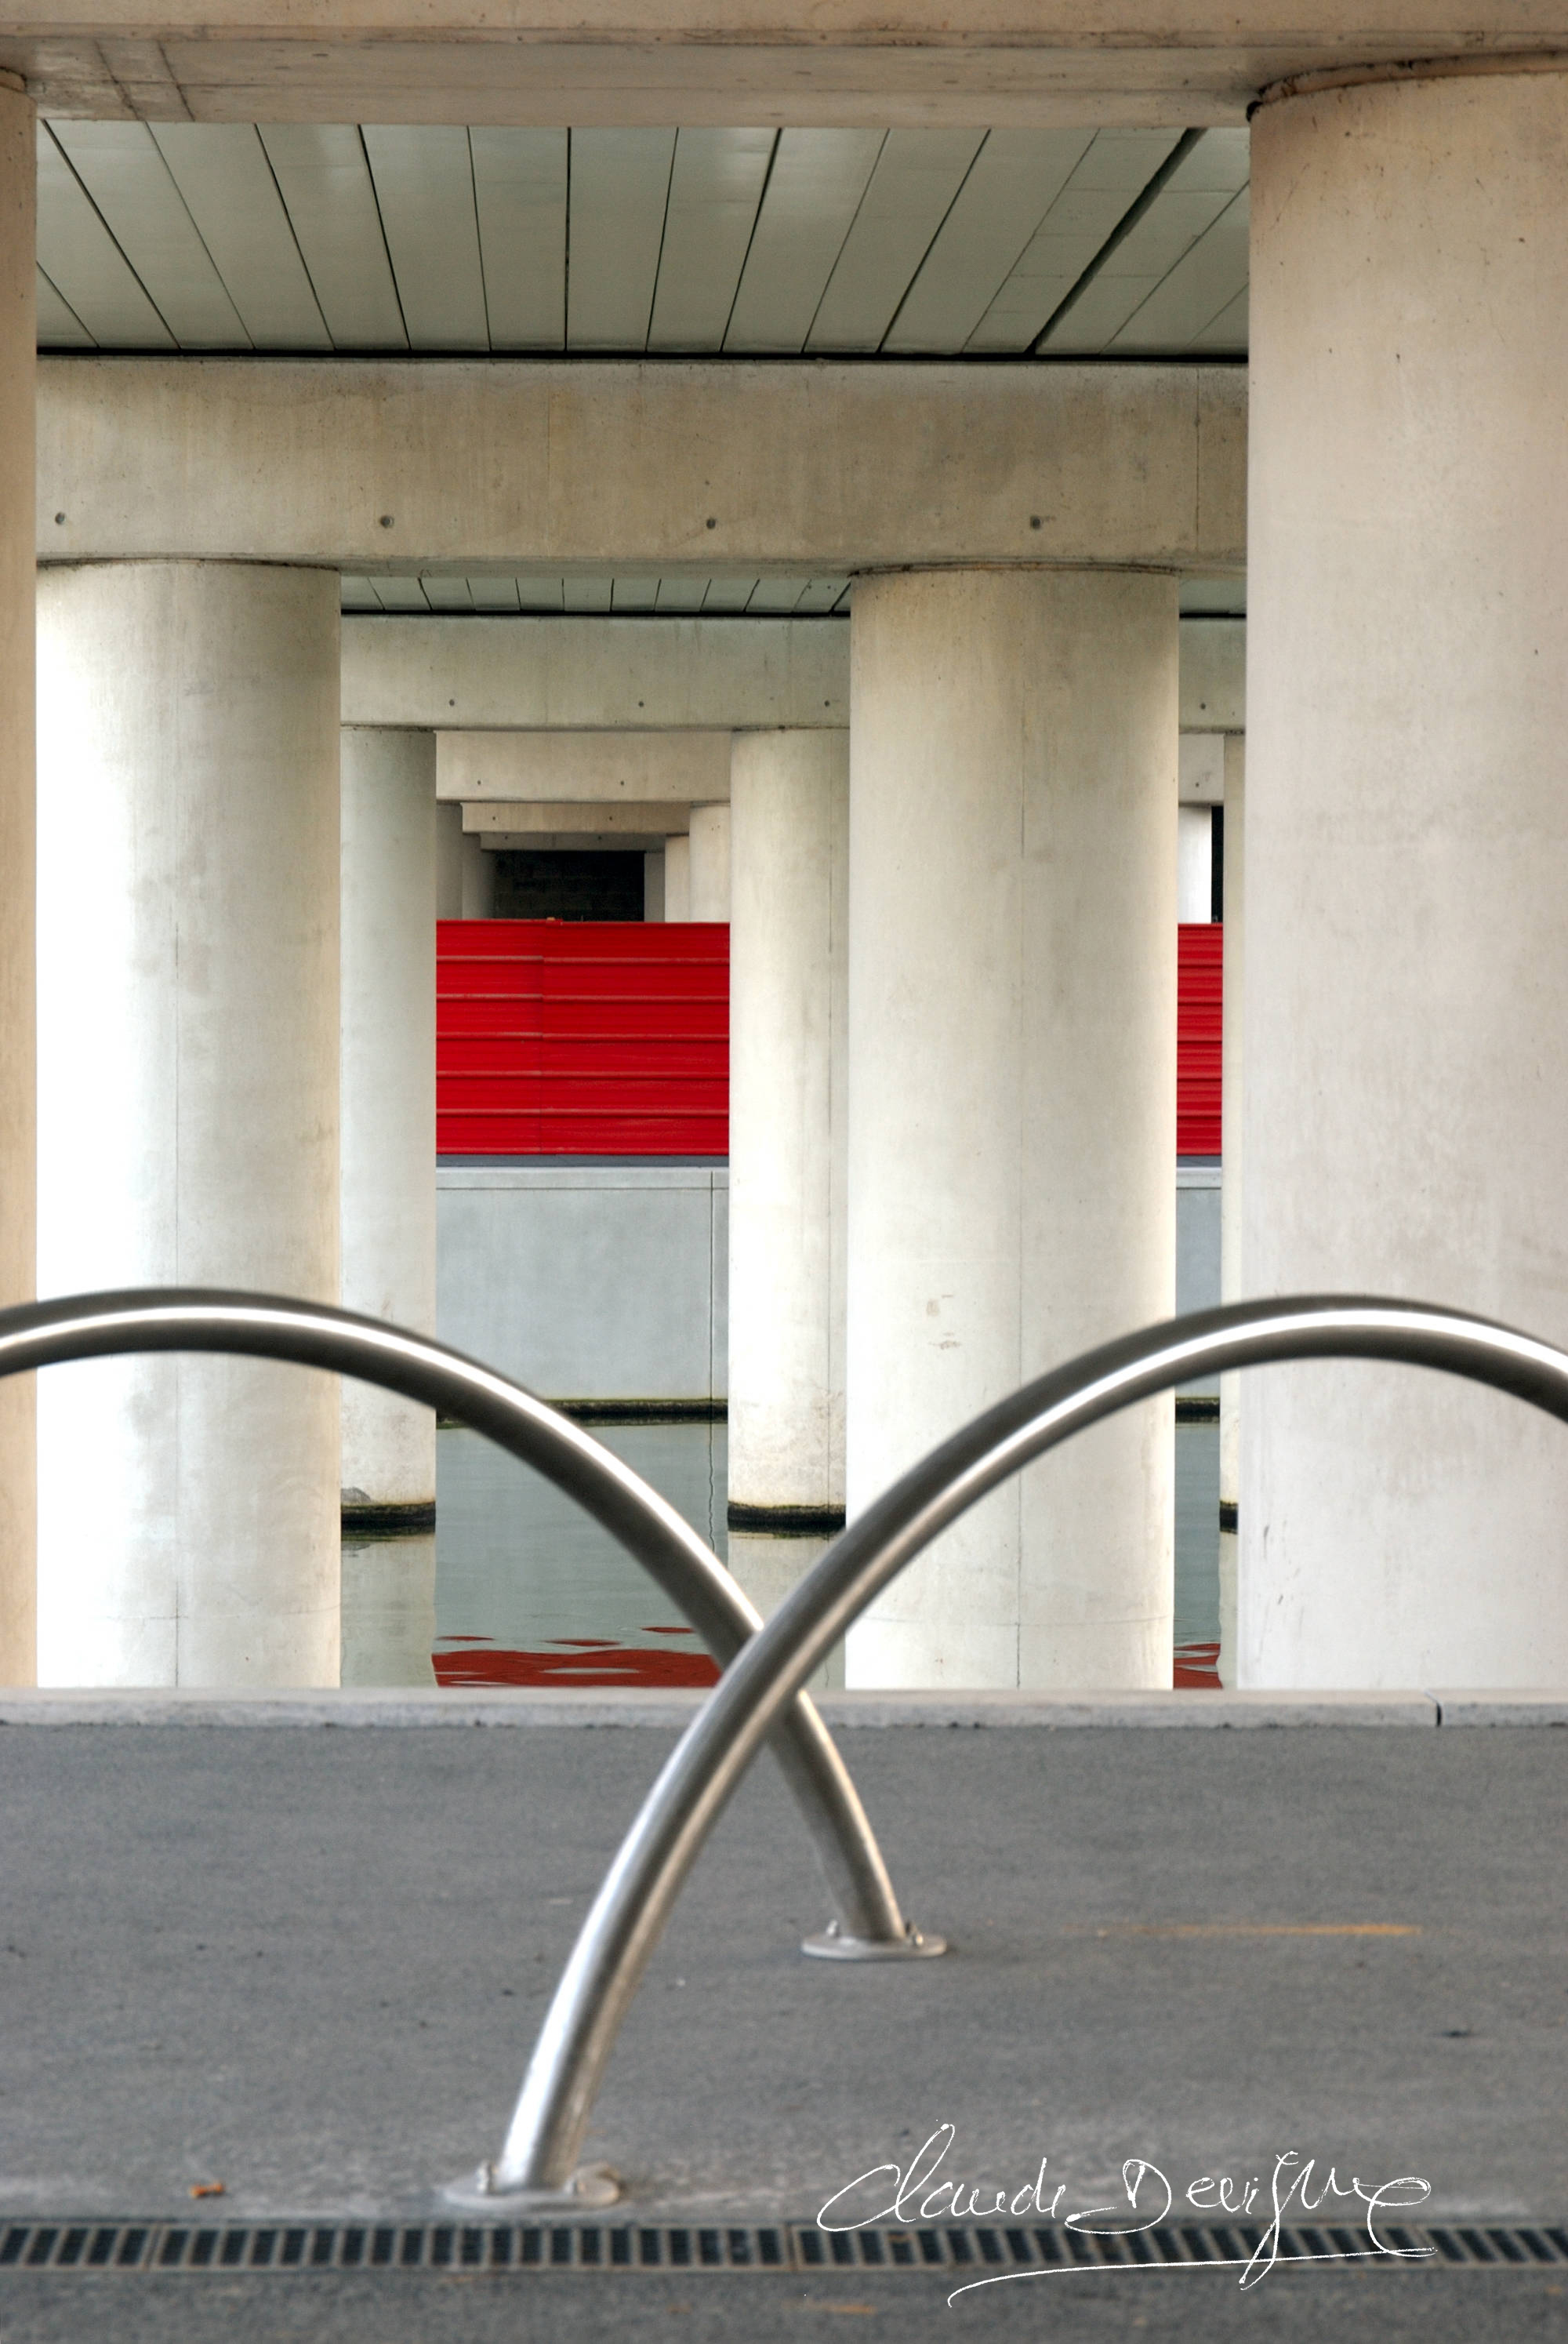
970 2248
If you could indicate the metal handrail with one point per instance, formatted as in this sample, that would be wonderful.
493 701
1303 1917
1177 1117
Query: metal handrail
636 1897
310 1334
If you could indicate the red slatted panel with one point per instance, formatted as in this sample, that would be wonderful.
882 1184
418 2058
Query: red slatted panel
1198 963
600 1037
582 1037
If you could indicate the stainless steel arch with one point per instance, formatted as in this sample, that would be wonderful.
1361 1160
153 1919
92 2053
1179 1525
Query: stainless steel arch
651 1864
264 1326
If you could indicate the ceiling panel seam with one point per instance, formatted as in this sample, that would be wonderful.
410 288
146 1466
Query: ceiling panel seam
1124 227
381 225
746 255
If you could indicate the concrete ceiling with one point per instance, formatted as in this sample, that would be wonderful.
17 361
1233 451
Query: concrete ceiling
201 236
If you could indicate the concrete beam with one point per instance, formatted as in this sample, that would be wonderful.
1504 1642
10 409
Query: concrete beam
611 62
608 769
694 676
593 674
676 465
534 824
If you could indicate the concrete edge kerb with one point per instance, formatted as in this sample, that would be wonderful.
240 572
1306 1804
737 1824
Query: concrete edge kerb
348 1708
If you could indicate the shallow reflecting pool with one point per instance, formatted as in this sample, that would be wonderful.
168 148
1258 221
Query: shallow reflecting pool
519 1587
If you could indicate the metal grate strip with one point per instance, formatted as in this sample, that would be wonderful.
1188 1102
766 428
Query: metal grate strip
973 2250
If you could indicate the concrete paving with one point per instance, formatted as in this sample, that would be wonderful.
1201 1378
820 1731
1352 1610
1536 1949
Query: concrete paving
308 1964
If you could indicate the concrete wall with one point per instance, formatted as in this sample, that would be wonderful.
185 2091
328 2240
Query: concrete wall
587 1282
610 1281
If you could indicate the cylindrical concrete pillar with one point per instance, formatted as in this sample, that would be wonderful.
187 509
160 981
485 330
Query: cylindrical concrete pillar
18 1138
389 1103
1230 1287
188 1043
710 862
677 878
789 971
1406 1056
1011 1097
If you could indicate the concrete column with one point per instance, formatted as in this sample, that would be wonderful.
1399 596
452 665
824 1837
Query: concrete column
389 1103
1012 1095
677 878
710 862
18 1157
1194 864
188 1044
1406 1053
449 861
653 883
788 970
1230 1287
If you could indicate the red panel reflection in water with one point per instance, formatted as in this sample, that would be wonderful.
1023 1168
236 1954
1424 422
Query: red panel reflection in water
1196 1666
581 1660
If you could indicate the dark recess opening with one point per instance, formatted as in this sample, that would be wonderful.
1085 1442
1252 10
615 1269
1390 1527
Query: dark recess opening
568 884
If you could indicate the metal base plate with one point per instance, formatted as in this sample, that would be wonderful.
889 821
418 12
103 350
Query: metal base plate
478 2193
835 1944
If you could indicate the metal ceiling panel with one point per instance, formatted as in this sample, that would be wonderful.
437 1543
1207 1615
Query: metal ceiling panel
1115 168
814 190
127 179
1012 184
715 190
640 593
447 593
357 594
423 180
684 594
1184 210
325 182
1227 335
82 260
1206 281
619 188
911 191
540 594
728 595
589 596
401 594
520 195
59 327
821 595
493 593
774 598
227 185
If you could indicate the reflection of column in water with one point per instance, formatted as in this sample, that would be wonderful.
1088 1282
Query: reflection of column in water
389 1611
766 1569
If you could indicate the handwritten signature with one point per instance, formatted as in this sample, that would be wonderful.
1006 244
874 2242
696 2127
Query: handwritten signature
919 2196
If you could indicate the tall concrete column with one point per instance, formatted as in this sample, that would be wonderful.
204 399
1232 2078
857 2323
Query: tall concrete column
1011 1097
388 1103
18 1158
788 970
1406 1051
709 867
188 1047
1231 1289
677 878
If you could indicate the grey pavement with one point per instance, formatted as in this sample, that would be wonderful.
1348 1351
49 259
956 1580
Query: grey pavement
308 1964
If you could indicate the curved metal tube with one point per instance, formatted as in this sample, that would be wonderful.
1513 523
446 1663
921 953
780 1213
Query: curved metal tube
312 1335
635 1899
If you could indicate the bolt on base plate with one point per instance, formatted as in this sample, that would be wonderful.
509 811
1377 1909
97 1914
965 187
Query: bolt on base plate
835 1944
480 2193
